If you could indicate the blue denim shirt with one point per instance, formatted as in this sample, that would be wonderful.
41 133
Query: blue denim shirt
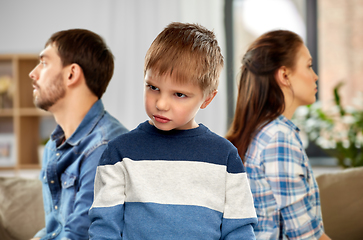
68 173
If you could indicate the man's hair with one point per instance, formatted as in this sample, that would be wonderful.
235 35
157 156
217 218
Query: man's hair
189 53
89 51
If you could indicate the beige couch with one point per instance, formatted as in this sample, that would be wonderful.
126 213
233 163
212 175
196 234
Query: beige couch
341 197
22 215
21 208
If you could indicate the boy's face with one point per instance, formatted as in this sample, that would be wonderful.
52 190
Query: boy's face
172 105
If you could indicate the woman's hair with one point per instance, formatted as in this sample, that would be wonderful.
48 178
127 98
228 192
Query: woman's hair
260 98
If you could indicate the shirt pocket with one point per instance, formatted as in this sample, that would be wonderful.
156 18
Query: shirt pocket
68 183
68 180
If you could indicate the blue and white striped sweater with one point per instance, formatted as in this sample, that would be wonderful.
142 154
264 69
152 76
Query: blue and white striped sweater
188 184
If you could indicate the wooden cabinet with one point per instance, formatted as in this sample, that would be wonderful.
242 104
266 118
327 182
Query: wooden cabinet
19 117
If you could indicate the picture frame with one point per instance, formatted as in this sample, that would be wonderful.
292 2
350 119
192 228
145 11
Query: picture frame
7 150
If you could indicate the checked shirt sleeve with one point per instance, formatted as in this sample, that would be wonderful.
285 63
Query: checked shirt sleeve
287 172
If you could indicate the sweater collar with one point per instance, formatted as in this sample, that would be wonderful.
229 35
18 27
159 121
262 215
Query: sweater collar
147 127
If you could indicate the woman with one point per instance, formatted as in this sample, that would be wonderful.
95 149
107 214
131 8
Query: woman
277 77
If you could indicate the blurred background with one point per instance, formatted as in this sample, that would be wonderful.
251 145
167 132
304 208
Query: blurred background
330 28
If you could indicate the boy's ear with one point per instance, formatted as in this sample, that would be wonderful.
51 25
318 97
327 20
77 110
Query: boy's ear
208 99
282 76
74 74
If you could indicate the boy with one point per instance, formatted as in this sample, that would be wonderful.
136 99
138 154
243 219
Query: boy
171 178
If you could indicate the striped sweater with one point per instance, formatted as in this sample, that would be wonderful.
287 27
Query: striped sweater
178 184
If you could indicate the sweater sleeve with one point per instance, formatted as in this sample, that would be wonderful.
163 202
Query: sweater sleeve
239 215
107 211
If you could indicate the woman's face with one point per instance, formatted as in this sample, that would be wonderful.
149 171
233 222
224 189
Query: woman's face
303 79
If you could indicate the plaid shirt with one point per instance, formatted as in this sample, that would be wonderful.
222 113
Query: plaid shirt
286 195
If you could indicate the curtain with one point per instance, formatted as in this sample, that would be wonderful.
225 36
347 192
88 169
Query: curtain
128 28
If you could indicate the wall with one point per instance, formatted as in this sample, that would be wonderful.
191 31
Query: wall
340 47
128 27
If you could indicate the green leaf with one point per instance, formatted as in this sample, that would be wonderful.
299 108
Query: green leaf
337 98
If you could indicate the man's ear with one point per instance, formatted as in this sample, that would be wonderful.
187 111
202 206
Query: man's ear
282 76
74 74
208 99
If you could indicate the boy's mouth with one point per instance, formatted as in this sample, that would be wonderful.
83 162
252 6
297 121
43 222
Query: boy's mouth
161 119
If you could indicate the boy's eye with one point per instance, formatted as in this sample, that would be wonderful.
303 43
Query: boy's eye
153 87
180 95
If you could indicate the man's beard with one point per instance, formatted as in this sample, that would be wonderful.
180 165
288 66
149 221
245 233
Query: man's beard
50 94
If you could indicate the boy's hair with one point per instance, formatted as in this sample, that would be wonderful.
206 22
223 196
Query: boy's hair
189 53
89 51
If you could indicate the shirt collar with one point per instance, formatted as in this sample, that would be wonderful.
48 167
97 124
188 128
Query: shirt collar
88 123
288 122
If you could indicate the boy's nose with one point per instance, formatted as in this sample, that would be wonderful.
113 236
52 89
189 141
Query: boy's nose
162 104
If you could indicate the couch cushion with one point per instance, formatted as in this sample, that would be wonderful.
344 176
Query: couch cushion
21 208
342 203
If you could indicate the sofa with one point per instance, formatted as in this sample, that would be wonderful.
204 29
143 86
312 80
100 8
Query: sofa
22 214
21 208
341 196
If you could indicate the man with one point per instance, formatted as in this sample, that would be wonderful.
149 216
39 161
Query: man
74 71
